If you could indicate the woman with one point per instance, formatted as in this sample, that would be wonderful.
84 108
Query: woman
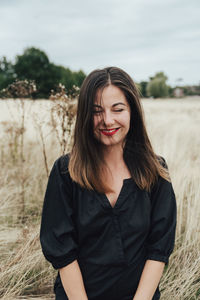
109 214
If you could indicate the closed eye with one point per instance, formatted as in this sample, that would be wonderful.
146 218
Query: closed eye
118 110
100 111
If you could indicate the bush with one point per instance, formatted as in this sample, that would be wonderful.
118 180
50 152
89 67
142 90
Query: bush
157 86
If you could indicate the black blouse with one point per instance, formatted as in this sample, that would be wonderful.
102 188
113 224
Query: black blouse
81 224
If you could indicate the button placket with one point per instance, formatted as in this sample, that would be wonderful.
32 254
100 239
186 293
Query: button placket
115 214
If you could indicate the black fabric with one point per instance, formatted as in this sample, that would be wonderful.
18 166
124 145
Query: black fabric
111 245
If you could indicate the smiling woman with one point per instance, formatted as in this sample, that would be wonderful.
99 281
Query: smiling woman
109 214
112 119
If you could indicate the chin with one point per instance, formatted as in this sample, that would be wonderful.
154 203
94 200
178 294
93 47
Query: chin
110 143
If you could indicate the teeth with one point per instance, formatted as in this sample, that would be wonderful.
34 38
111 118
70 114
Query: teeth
109 130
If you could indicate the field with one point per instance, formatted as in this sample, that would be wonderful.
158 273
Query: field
33 134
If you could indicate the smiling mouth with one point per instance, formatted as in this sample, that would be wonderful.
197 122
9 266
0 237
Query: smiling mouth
109 132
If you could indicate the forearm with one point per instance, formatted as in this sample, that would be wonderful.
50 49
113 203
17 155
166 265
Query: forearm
72 281
149 280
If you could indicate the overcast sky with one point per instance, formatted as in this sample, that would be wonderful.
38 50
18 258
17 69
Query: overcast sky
140 36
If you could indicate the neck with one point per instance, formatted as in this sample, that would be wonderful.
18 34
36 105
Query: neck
113 156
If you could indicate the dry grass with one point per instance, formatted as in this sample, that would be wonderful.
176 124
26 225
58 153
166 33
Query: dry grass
173 126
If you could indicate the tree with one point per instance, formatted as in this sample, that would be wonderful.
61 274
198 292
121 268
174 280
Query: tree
143 88
34 64
69 78
7 74
157 86
79 77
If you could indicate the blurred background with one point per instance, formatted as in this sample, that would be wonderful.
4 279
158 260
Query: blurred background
47 49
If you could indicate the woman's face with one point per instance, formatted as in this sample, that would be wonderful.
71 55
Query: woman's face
111 113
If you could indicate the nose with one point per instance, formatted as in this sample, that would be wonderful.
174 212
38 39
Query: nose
108 118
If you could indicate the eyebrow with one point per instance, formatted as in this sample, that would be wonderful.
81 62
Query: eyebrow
115 104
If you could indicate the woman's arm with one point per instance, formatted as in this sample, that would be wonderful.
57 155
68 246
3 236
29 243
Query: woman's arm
72 281
149 280
161 237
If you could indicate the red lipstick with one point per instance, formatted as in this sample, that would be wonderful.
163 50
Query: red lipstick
109 132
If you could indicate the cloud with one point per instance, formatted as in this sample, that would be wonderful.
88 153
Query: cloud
141 36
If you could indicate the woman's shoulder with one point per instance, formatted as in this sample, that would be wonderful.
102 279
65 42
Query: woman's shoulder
60 167
62 163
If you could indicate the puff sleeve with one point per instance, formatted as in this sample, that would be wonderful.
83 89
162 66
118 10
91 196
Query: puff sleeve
57 232
161 237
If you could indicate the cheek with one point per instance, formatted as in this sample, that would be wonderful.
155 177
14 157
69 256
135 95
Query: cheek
129 122
126 120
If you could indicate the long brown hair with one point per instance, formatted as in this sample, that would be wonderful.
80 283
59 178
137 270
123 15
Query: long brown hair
86 158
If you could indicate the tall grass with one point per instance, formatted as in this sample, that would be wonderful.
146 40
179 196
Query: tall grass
47 133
